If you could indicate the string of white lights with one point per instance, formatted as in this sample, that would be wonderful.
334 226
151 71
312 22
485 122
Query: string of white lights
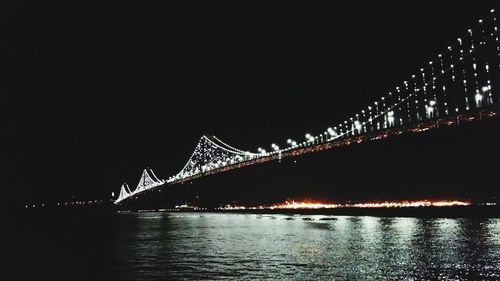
233 148
191 157
154 176
209 155
418 90
127 188
243 153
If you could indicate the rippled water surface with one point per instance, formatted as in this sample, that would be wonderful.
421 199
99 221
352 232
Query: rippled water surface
187 246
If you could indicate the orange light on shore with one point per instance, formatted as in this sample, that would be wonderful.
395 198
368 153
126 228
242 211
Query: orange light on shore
304 205
394 204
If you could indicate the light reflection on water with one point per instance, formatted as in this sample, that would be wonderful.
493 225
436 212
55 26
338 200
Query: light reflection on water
187 246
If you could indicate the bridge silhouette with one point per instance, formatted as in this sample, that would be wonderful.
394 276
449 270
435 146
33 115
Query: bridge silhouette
458 85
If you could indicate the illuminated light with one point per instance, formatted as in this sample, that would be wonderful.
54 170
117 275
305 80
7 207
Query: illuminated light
390 118
289 141
432 102
479 99
429 110
357 125
332 131
275 147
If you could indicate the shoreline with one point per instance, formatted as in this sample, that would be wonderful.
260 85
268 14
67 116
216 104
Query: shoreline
474 211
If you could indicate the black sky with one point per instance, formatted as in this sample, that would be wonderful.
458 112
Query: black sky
93 91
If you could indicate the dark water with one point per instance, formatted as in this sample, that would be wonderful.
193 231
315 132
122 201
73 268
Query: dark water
203 246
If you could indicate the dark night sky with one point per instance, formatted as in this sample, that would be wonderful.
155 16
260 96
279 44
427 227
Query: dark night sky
93 91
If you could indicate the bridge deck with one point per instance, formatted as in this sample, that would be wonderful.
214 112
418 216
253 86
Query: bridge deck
318 146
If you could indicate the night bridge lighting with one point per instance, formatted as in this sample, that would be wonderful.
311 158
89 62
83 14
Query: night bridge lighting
459 84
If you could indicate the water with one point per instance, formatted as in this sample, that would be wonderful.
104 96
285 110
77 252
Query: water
204 246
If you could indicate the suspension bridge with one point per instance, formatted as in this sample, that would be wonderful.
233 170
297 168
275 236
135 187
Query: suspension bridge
458 85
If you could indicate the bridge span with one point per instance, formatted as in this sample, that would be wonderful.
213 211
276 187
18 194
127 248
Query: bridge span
459 85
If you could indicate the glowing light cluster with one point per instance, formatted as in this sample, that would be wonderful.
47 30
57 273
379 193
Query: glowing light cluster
148 181
210 154
407 204
232 208
304 205
394 204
